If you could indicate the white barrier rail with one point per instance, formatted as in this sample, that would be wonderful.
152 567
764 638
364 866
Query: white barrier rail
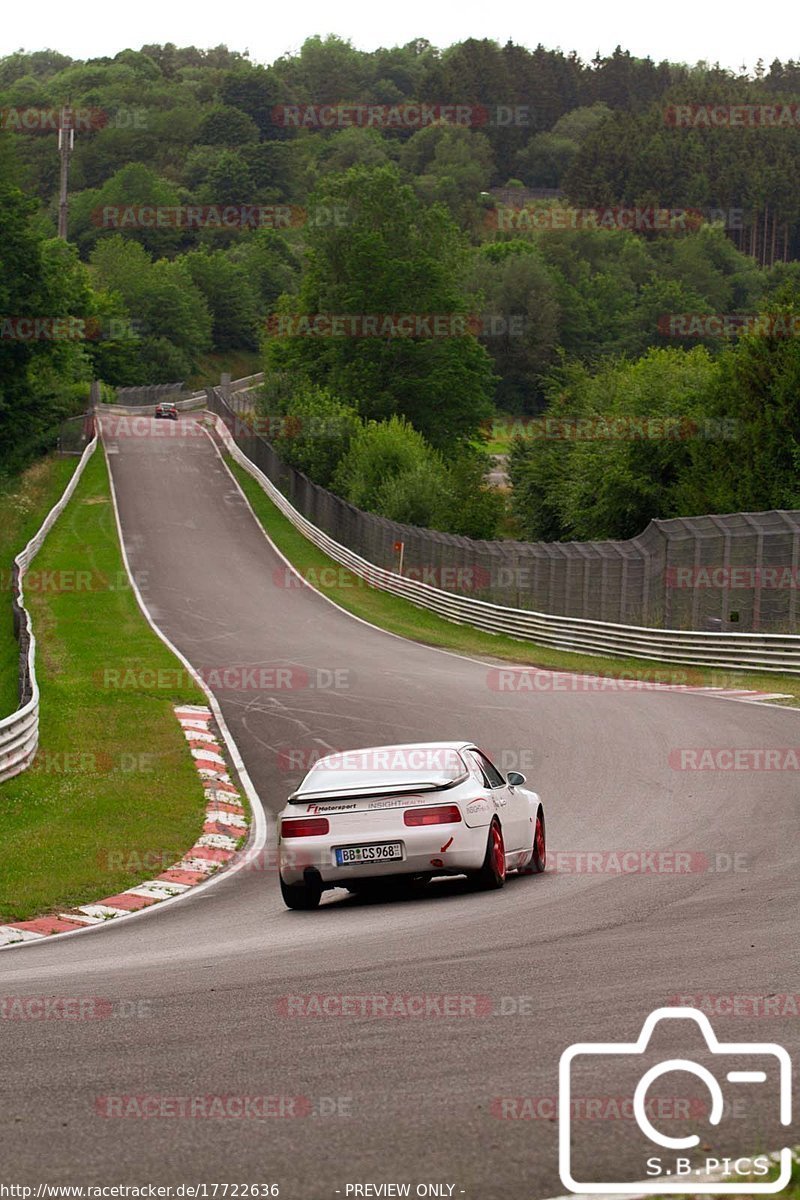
244 385
19 733
195 401
768 652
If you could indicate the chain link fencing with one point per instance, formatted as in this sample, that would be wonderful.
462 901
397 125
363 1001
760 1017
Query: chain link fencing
735 573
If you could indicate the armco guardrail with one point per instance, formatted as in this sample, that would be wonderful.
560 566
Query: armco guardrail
729 573
150 394
19 733
243 385
771 652
196 400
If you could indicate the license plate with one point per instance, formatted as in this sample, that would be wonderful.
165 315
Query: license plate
348 856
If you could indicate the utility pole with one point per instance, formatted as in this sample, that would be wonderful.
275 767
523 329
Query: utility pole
66 142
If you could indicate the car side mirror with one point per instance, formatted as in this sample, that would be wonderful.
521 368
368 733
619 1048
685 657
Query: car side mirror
515 779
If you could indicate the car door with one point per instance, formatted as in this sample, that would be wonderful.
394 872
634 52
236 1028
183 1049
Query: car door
509 803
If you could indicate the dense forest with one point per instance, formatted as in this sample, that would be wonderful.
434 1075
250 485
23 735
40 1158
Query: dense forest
563 216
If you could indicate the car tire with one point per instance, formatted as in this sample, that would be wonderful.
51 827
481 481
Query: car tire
303 896
492 874
538 859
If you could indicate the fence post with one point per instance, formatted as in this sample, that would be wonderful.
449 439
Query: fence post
646 558
696 590
795 528
758 566
726 569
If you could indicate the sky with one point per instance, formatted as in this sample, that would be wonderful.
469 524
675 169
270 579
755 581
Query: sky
731 35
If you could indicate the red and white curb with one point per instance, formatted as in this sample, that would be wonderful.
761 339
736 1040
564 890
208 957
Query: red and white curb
741 694
224 827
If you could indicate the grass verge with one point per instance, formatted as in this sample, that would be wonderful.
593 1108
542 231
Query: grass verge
25 501
501 428
113 796
402 617
792 1189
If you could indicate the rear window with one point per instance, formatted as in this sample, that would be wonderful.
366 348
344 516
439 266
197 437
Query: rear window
385 767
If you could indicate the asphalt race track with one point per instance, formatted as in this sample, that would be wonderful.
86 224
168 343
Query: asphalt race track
568 956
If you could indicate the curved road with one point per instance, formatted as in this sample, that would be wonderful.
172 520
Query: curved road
564 957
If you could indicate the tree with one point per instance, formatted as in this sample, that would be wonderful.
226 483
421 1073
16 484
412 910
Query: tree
230 296
476 509
391 470
314 432
273 169
118 205
352 147
580 122
452 165
270 264
253 90
38 279
228 181
412 263
518 298
545 160
416 496
616 449
165 305
227 126
117 354
326 71
753 462
381 450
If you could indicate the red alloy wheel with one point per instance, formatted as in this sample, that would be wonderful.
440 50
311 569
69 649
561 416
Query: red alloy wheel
498 851
540 850
538 859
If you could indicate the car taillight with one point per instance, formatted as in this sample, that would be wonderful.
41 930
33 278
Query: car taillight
304 827
442 814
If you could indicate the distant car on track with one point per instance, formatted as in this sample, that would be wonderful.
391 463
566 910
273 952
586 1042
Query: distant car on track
364 818
166 411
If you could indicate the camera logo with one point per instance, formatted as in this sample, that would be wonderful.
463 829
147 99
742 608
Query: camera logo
670 1173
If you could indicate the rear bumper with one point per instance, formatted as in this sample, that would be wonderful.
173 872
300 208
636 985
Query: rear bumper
432 850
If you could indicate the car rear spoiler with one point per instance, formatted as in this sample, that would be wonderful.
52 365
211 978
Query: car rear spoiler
381 789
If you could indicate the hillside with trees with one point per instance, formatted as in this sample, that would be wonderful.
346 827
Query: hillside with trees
488 220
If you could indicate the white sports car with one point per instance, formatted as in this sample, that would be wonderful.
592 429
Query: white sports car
365 817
